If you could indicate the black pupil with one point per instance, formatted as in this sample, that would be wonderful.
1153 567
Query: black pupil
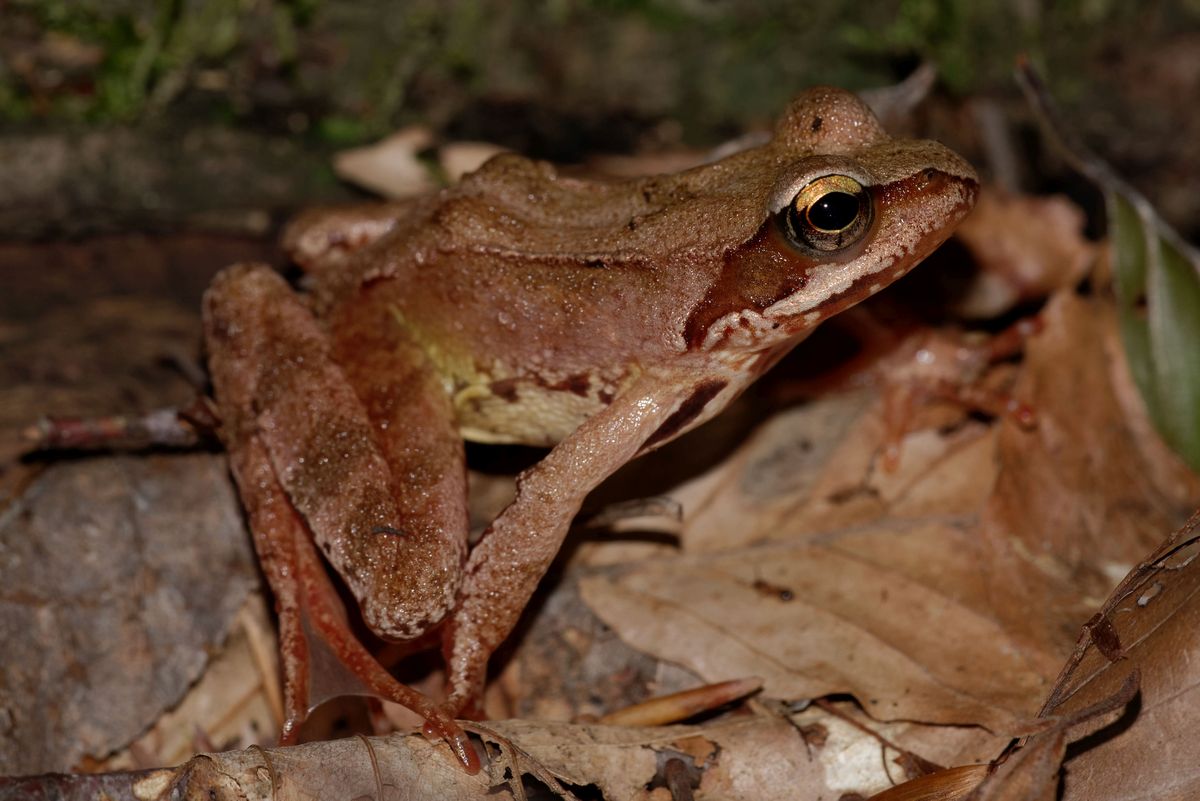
833 211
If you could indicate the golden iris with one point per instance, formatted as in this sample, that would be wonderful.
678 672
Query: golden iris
829 214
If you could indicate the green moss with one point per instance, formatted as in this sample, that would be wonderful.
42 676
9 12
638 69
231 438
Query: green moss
342 130
356 68
153 51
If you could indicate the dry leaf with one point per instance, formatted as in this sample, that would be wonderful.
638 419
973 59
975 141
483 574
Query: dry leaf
1083 497
1150 749
1030 775
1026 248
951 784
946 592
390 167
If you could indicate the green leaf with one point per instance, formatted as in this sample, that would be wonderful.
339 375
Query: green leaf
1157 280
1158 292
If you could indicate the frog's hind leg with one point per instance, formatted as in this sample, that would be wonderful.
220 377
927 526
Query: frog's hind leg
305 460
307 603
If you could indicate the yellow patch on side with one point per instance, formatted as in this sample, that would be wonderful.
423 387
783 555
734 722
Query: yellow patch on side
533 415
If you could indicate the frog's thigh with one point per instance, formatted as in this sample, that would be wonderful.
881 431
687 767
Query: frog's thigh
275 378
411 416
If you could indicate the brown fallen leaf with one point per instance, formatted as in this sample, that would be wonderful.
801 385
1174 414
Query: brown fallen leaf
946 785
680 706
390 167
948 591
1032 772
889 647
759 758
1082 498
1050 253
1149 750
1030 775
1119 723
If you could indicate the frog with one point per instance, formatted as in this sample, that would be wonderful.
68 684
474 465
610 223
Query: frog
598 318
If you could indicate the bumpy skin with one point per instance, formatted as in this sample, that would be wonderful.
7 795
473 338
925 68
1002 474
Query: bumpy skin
523 306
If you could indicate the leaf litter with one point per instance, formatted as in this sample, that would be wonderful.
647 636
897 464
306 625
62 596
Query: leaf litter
932 603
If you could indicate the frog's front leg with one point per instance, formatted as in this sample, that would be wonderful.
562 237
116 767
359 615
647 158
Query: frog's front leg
384 497
505 567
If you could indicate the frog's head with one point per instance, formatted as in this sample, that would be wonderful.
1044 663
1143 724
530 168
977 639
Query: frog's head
850 210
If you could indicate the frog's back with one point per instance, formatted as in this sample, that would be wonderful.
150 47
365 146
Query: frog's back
521 211
526 209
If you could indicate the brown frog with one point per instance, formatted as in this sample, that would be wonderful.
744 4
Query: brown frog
521 306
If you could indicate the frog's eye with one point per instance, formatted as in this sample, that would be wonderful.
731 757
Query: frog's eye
829 214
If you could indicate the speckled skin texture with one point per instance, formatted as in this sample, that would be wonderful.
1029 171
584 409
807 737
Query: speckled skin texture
523 306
